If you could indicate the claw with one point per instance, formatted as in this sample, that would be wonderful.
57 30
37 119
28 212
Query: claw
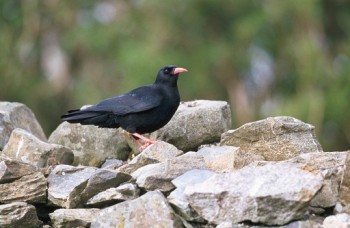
139 137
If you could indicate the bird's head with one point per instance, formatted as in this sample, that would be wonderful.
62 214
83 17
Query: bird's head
169 74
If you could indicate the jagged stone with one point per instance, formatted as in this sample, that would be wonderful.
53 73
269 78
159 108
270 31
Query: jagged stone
149 210
11 170
112 164
219 158
160 175
337 221
29 188
158 152
71 218
272 139
16 115
343 205
196 123
25 147
177 197
273 194
331 166
71 187
91 145
112 196
18 214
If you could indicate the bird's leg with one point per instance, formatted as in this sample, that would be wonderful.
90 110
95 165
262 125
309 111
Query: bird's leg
137 137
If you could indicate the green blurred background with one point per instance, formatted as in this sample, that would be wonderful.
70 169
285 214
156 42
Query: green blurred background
267 58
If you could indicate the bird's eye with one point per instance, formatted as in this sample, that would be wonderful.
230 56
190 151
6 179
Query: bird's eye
166 70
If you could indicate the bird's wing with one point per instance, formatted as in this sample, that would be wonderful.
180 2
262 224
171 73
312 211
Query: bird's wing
138 100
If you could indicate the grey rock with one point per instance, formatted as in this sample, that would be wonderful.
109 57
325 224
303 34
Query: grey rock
149 210
331 166
25 147
219 158
177 197
196 123
273 194
11 170
29 188
112 196
91 145
18 214
72 187
71 218
158 152
343 204
160 175
271 139
16 115
337 221
112 164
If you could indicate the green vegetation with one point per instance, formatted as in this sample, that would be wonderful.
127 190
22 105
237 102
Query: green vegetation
265 57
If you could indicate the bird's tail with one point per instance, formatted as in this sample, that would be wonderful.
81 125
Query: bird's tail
90 117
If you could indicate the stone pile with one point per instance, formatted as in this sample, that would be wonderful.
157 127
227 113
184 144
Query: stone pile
199 173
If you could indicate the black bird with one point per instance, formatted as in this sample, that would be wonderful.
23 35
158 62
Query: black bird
142 110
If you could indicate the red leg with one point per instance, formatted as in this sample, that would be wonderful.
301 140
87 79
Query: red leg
147 140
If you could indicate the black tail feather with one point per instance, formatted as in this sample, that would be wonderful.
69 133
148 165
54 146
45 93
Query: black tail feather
88 117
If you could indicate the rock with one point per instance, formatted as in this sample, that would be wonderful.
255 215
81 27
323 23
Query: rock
29 188
337 221
343 206
196 123
331 166
71 187
158 152
102 180
25 147
273 194
272 139
177 197
70 218
112 196
16 115
11 170
160 175
112 164
149 210
18 214
219 158
91 145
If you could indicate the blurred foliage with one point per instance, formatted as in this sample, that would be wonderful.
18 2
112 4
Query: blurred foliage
266 58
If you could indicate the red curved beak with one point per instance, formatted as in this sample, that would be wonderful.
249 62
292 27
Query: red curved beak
179 70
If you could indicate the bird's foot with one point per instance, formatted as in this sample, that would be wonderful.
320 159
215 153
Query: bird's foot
138 139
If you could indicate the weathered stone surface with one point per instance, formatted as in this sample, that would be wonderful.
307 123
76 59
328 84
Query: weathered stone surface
344 193
331 166
18 214
30 188
158 152
91 145
112 164
71 187
25 147
337 221
273 194
219 158
271 139
11 170
177 197
16 115
149 210
112 196
196 123
71 218
160 175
